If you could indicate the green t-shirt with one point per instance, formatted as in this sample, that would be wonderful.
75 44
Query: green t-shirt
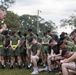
31 36
74 48
15 39
22 39
2 38
35 47
7 40
70 46
39 39
69 39
45 39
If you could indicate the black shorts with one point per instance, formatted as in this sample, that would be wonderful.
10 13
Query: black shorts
75 65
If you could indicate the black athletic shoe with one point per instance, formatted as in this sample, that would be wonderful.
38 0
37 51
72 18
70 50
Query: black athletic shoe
28 67
3 66
11 67
49 71
19 67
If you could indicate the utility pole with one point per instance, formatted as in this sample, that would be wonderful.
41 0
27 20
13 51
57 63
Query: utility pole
38 29
37 21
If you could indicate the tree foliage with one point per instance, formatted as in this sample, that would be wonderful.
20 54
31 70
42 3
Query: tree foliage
30 21
6 3
69 21
12 21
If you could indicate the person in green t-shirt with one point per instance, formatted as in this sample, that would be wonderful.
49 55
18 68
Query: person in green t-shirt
45 47
2 43
6 48
22 48
28 45
35 54
15 49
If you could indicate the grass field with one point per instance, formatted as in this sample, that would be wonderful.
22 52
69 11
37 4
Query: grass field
21 72
16 71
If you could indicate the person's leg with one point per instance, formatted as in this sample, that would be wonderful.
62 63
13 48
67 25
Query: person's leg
72 72
28 58
12 60
34 61
23 60
57 59
49 62
66 66
19 61
3 62
44 59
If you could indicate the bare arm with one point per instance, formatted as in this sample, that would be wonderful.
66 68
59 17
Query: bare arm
17 44
38 52
11 44
3 28
52 52
70 59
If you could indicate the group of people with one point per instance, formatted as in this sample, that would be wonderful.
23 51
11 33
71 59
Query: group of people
49 50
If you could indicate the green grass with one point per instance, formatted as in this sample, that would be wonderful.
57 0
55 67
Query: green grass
16 71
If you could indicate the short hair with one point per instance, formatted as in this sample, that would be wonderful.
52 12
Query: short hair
51 40
25 34
48 31
5 32
19 32
59 43
62 38
30 30
64 52
13 32
30 39
45 33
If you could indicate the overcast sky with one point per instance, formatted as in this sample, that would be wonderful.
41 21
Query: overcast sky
54 10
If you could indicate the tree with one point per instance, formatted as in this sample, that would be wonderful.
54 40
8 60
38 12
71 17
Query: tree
30 21
71 21
12 21
6 3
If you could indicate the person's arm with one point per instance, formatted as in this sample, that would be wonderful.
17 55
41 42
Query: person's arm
11 44
52 52
70 59
28 48
45 43
59 53
38 52
3 28
17 44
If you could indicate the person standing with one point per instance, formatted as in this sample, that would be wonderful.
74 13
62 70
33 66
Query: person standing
15 49
22 48
2 43
5 52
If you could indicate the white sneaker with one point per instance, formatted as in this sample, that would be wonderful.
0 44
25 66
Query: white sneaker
46 69
34 72
44 65
30 65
